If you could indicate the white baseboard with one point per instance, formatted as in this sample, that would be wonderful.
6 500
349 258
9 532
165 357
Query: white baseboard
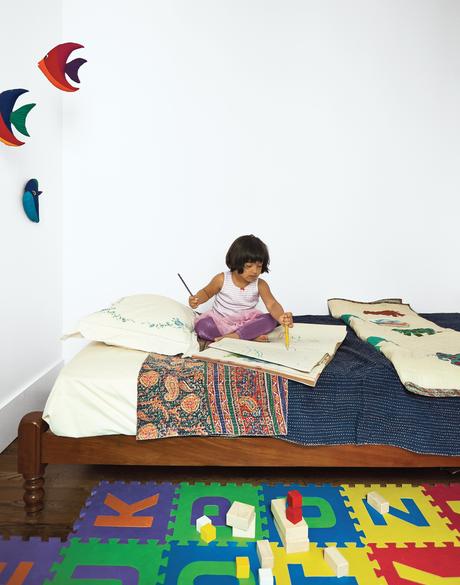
32 398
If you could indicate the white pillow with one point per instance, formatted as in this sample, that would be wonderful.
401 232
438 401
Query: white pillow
150 323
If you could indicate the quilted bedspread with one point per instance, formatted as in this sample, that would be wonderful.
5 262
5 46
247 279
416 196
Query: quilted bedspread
184 396
359 399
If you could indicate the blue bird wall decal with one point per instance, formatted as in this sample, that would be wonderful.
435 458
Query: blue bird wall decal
30 200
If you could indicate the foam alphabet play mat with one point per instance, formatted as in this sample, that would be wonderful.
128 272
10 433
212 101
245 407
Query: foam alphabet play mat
146 534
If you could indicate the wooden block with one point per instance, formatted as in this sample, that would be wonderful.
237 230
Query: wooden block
336 561
249 533
378 502
265 554
294 499
265 576
294 515
240 515
297 547
293 545
242 567
290 530
201 521
208 532
288 538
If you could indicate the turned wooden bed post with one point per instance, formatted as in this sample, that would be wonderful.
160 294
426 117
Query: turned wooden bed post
31 429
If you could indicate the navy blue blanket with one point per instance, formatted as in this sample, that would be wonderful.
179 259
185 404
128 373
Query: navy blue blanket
359 399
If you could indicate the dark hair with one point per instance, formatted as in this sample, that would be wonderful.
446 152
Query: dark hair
247 249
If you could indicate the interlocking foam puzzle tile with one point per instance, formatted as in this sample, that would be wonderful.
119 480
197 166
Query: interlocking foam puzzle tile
326 510
425 514
210 564
131 510
447 500
27 562
92 562
214 500
411 518
310 567
428 565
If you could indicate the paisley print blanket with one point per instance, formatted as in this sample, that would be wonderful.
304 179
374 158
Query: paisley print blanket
425 356
183 396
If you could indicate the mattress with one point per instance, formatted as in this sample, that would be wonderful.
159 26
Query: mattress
358 399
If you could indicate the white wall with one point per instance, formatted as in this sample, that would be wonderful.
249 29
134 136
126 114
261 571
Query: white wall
30 254
330 129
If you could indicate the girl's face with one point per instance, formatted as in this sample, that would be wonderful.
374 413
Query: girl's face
251 271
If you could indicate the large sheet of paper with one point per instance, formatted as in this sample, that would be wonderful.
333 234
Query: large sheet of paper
310 350
309 344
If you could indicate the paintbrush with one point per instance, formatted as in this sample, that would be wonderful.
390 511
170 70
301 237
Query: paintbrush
190 292
183 282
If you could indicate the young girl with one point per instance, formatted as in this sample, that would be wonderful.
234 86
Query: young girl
237 293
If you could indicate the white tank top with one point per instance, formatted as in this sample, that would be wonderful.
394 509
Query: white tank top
231 299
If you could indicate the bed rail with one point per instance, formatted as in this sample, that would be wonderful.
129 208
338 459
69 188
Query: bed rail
38 446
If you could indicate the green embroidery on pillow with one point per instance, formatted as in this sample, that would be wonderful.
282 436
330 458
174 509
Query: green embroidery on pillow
173 322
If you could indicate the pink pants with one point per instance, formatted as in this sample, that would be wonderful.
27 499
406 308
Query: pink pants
248 325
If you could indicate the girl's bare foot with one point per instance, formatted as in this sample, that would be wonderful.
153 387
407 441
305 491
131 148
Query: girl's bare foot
232 335
263 338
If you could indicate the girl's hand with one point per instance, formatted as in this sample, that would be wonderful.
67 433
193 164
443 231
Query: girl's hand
193 302
286 319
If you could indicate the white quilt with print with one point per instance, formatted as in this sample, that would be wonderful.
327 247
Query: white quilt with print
425 356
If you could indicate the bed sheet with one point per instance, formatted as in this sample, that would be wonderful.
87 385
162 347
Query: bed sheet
96 393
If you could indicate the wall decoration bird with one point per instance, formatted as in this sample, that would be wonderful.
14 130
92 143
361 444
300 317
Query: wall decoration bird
30 200
55 67
8 117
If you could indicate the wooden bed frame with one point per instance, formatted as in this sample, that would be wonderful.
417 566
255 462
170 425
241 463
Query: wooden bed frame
38 446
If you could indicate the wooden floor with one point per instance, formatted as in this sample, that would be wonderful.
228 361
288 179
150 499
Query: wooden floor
68 487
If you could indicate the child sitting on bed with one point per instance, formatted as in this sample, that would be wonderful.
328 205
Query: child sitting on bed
237 293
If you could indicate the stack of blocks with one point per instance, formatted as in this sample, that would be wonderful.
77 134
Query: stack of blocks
206 529
242 518
292 529
293 536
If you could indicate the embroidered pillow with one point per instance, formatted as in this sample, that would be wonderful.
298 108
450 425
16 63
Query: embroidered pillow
150 323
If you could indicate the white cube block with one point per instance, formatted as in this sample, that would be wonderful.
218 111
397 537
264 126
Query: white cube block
201 521
265 576
249 533
240 515
378 502
265 554
336 561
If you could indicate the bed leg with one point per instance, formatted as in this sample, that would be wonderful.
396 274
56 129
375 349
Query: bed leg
31 429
